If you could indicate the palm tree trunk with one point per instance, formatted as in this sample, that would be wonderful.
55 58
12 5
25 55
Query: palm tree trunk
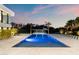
48 29
30 29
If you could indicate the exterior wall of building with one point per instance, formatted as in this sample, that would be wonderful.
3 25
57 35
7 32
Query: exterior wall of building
5 26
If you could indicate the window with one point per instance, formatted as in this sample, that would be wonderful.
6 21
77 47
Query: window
4 17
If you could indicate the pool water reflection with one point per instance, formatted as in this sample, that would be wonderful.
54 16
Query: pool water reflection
40 40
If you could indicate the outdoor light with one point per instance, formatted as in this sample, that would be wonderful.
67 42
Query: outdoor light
30 40
0 29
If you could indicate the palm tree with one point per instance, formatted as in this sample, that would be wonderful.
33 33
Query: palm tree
73 25
77 21
70 24
77 25
48 24
30 28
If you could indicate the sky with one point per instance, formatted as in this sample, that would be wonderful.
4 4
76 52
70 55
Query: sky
56 14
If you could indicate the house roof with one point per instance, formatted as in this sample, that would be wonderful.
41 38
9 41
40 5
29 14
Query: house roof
7 10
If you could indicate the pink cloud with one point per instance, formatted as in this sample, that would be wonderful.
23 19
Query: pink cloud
40 8
22 17
70 9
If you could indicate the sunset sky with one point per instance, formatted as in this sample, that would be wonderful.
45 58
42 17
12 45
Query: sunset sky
57 14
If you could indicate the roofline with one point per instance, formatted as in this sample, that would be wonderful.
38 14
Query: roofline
7 10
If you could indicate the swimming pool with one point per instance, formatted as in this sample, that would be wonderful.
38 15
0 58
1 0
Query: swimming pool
40 40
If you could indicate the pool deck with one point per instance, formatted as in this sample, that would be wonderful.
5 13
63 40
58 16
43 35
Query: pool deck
7 49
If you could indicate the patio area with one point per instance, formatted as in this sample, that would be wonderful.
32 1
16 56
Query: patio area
7 49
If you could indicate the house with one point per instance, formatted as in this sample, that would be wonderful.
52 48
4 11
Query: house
5 18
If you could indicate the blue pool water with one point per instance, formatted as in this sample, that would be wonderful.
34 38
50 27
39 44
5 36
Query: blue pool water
40 40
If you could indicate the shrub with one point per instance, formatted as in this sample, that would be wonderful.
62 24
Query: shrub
4 34
14 31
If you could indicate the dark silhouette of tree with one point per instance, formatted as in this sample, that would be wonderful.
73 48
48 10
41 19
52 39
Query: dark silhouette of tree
48 24
13 24
30 28
70 24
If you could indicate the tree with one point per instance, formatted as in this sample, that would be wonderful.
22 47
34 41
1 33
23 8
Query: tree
77 19
30 28
13 24
70 24
48 24
77 22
